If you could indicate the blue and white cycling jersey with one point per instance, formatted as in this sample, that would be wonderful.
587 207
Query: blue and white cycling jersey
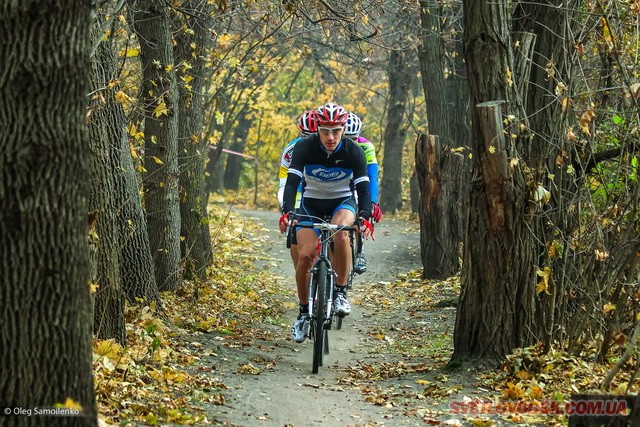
328 176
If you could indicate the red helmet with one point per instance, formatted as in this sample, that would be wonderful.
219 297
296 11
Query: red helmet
331 114
307 122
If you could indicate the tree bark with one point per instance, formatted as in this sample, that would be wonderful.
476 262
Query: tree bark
233 168
159 97
108 319
192 48
496 310
548 121
438 245
395 132
458 106
45 309
439 240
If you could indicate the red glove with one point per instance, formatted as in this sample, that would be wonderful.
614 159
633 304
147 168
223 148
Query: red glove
376 212
281 224
368 228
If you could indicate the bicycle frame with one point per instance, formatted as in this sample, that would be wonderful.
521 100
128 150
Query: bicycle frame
323 258
322 278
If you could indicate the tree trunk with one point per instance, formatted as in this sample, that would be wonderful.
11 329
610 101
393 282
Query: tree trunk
558 219
414 190
108 315
234 163
439 241
438 244
159 97
395 132
458 106
496 310
215 169
192 47
45 313
136 263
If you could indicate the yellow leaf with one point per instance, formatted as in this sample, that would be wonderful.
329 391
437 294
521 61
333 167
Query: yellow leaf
121 97
535 392
129 52
608 307
157 160
492 149
223 39
606 32
543 285
513 391
586 118
70 404
168 68
219 117
108 348
509 77
161 109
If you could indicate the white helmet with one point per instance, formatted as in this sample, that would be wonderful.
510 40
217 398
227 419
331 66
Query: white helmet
353 127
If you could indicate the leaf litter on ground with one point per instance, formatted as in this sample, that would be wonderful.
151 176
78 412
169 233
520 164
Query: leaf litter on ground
165 375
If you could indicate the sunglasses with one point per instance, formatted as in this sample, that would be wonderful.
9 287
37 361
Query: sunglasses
327 131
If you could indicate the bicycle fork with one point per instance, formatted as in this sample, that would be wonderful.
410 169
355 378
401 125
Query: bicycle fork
313 290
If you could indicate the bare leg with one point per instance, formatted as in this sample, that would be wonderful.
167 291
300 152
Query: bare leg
307 249
341 258
293 251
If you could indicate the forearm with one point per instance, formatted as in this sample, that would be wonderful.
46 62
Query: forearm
372 171
289 193
364 199
280 193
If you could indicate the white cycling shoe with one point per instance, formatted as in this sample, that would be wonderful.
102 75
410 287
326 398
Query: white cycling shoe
300 328
341 304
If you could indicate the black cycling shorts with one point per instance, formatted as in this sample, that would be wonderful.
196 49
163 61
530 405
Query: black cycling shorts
314 210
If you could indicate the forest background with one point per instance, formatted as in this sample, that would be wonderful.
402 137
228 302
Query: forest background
524 166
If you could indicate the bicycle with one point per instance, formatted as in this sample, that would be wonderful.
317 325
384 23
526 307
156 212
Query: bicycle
321 286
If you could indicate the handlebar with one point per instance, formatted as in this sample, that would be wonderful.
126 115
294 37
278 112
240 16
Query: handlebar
323 225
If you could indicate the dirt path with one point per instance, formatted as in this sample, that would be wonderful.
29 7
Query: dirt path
270 382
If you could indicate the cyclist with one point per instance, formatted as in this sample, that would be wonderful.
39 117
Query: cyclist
307 126
328 163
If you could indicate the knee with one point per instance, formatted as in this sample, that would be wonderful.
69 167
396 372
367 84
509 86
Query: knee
305 258
341 240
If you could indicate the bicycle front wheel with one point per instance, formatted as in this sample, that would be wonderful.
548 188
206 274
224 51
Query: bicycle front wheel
319 307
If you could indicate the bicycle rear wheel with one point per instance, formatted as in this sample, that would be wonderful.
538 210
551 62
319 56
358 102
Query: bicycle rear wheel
320 303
